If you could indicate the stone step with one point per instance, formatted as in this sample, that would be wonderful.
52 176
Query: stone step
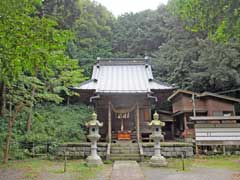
119 143
125 148
125 155
114 158
123 145
124 152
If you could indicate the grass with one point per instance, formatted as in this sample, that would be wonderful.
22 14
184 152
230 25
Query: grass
77 169
33 167
222 162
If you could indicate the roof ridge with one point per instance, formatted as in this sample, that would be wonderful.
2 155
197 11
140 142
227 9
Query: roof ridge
206 93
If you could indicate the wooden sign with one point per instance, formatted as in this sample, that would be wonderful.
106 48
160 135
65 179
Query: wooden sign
124 136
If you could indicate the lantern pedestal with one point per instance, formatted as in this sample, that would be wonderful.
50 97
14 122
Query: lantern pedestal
94 159
157 160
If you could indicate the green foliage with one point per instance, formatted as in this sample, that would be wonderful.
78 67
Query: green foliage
93 30
139 34
92 25
190 60
32 54
28 43
59 123
51 124
219 19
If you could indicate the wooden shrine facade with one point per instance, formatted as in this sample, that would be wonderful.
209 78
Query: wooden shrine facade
123 92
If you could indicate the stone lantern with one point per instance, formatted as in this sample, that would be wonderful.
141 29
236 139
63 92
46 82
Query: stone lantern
157 160
93 125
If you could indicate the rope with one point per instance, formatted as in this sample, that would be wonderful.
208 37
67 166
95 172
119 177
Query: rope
123 110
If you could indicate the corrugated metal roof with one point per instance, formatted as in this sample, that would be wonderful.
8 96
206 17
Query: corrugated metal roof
122 77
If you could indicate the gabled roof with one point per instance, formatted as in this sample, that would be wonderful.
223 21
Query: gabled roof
204 94
122 76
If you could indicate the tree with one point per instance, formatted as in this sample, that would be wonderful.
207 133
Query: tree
92 25
140 34
218 19
217 68
30 48
173 62
65 12
20 98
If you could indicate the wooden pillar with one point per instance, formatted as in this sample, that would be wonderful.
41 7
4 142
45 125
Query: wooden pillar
185 121
109 123
172 130
138 123
196 150
224 150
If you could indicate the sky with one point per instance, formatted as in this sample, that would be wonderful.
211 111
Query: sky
118 7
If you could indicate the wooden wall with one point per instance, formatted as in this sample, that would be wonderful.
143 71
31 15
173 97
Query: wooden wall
183 103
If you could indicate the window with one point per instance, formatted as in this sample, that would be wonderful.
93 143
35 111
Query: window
227 113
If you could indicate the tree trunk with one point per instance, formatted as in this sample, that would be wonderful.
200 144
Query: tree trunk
11 122
3 99
68 100
30 115
9 134
29 120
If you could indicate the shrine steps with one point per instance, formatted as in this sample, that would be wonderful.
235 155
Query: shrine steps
125 151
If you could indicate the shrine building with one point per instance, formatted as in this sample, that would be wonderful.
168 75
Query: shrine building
124 93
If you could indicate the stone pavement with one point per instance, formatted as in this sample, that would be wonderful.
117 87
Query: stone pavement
126 170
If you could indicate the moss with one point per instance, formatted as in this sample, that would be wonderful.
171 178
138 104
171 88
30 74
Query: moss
83 144
169 144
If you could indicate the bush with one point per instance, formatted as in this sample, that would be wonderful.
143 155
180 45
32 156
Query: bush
52 124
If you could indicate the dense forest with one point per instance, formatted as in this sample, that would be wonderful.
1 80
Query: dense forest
48 46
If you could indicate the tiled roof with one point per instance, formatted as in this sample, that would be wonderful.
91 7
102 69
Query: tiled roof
122 76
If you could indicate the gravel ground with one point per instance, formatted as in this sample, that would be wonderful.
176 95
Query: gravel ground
149 173
195 174
11 174
18 174
105 174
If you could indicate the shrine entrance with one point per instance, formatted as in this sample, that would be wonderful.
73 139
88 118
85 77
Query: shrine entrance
123 122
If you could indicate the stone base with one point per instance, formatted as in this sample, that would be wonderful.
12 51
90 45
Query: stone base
94 161
158 161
